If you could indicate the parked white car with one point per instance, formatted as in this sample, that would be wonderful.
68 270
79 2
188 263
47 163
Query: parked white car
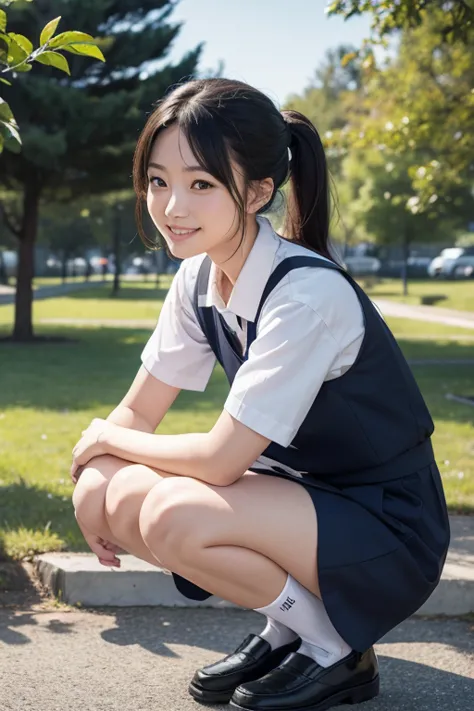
446 263
463 268
361 265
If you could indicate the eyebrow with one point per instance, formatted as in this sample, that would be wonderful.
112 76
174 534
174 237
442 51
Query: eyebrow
188 169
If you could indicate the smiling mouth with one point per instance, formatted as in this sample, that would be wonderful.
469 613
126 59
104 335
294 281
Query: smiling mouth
177 233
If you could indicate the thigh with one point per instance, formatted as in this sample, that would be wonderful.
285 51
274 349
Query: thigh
273 516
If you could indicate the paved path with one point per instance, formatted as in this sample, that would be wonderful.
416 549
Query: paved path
450 317
140 659
100 322
435 314
7 295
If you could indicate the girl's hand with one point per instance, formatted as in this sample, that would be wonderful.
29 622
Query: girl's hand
90 445
105 551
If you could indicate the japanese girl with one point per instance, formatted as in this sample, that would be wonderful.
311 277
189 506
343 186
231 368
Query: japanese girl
315 498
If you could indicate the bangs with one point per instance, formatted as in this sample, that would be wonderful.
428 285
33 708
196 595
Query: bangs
209 145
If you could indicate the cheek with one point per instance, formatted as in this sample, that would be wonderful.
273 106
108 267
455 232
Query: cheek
149 201
219 206
155 205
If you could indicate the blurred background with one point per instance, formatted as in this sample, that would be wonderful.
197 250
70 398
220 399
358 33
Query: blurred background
389 86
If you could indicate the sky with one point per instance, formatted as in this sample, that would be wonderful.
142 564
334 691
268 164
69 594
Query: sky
275 45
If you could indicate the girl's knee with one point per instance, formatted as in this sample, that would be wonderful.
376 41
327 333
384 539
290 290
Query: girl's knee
168 517
89 494
124 497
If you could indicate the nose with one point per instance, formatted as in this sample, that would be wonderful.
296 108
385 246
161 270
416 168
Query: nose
176 206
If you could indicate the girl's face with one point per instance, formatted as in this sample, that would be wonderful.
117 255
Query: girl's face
192 210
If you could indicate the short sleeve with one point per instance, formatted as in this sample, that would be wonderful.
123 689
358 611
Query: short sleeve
178 352
287 364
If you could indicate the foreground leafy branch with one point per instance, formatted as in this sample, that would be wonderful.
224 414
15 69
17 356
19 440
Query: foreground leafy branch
17 54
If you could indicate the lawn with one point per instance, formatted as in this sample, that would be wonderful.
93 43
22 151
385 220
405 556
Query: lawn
50 392
458 294
135 300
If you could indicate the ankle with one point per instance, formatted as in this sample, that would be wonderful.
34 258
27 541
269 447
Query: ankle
277 634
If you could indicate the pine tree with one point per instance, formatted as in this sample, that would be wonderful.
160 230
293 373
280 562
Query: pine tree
79 131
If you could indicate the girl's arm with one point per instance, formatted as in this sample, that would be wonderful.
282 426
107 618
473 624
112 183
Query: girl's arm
145 404
218 457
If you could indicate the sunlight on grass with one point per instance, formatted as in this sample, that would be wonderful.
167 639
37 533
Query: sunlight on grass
53 391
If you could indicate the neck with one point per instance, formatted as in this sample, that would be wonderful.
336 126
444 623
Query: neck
229 258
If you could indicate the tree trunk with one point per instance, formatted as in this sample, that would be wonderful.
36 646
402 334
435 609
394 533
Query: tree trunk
23 328
3 271
116 248
405 246
64 267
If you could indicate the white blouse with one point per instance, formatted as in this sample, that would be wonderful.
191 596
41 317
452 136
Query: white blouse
310 330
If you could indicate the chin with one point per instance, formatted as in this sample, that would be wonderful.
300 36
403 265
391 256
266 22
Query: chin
184 251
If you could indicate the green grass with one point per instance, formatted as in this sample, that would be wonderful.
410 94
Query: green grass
50 392
142 300
135 300
54 281
459 294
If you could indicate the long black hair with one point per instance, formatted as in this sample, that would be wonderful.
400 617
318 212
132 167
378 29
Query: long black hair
225 119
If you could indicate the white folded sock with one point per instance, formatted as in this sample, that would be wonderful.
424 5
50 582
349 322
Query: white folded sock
304 613
276 634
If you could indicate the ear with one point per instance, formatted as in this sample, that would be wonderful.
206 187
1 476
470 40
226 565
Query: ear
260 192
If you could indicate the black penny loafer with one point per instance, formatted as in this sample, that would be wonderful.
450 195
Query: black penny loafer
252 659
301 684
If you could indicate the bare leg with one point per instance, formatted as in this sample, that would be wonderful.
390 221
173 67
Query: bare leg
107 500
239 541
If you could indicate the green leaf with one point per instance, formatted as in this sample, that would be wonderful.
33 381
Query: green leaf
16 53
70 37
26 67
54 59
5 111
348 58
3 20
9 131
22 41
49 30
5 81
88 50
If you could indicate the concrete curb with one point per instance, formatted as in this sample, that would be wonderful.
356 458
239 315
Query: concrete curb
79 578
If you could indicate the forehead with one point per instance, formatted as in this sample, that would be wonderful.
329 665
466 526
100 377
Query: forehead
171 147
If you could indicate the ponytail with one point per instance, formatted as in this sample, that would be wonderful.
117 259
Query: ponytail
307 214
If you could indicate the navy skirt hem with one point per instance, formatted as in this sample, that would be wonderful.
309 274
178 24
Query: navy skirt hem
381 552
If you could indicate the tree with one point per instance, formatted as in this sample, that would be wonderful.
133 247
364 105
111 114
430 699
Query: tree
418 112
327 98
17 55
392 15
67 231
79 132
329 101
379 204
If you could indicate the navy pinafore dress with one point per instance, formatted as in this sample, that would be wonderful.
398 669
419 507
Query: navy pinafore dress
366 460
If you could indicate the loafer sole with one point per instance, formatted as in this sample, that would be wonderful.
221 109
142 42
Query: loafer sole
355 695
210 697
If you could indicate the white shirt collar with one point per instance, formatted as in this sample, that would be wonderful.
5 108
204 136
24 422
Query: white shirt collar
248 289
